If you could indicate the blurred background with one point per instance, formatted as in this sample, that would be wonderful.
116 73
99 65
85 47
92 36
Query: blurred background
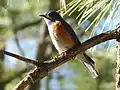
23 32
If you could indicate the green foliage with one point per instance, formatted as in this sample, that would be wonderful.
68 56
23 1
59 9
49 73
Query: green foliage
93 11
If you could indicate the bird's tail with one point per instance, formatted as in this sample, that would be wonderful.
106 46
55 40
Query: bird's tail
89 64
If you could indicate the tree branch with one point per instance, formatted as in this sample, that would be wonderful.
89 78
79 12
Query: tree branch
17 74
25 25
34 62
43 69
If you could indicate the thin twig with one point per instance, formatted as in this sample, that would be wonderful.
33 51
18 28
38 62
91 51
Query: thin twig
17 74
25 25
34 62
22 27
18 43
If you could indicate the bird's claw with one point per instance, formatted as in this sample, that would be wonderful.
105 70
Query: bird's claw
63 54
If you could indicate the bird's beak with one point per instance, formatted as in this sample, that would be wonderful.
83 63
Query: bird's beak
44 16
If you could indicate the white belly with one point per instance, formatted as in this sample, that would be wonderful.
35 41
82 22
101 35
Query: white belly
55 42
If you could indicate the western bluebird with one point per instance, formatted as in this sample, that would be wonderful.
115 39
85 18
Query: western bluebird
64 38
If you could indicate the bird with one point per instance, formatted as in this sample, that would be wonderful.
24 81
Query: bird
64 38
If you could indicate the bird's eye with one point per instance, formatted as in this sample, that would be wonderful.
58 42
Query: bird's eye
50 14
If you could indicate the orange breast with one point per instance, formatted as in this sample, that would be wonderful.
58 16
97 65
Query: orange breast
62 35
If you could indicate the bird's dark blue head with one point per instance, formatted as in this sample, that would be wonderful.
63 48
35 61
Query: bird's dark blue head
52 15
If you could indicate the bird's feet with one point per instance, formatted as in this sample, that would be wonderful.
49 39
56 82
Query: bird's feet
63 54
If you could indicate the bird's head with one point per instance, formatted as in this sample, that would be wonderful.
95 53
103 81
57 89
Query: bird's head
51 16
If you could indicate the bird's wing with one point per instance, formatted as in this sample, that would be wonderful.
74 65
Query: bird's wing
70 31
